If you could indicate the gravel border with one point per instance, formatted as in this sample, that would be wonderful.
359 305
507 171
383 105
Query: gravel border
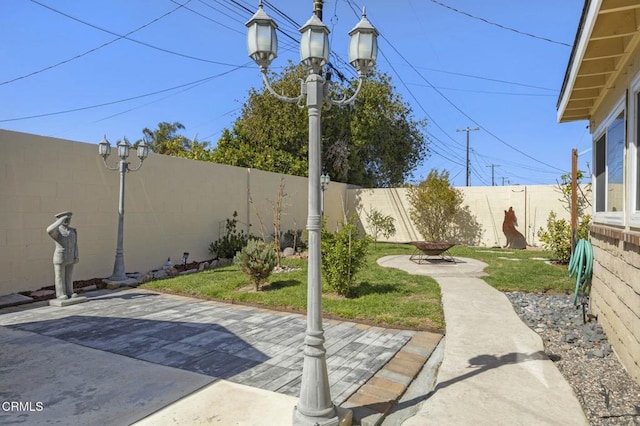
607 393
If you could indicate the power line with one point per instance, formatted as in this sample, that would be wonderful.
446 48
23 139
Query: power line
483 91
467 115
121 100
131 39
499 25
95 48
496 80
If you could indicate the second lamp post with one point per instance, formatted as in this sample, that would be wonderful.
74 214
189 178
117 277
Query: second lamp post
104 150
314 406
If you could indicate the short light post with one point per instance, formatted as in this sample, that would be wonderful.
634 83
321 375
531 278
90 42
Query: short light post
104 150
314 406
324 184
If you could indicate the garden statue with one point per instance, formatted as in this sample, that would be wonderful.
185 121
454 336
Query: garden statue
515 239
64 256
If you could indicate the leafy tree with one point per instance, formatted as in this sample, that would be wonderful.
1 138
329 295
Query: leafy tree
564 187
437 211
380 224
166 140
557 236
374 142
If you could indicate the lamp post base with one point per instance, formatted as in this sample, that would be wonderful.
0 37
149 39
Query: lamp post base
341 417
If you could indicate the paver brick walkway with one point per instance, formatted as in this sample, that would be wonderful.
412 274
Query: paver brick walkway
246 345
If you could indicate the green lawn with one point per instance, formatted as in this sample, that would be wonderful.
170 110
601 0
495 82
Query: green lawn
384 296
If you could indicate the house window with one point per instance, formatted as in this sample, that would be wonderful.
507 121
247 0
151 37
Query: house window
637 169
615 164
609 165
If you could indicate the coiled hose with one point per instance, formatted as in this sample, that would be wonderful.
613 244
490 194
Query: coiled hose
581 265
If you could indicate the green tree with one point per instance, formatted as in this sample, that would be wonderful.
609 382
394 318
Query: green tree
437 211
166 140
564 187
380 224
374 142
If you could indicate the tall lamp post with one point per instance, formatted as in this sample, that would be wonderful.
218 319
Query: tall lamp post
314 406
324 184
104 150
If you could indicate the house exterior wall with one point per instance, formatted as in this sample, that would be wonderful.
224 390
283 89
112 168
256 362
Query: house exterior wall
615 293
172 205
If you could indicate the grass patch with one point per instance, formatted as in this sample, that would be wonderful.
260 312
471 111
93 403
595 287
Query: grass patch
384 296
519 270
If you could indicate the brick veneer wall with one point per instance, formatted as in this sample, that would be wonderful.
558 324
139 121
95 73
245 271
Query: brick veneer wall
615 293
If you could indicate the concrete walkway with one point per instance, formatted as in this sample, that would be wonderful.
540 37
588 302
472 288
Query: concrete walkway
494 370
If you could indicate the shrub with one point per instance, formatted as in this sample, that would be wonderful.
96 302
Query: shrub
231 242
343 254
380 224
557 236
257 259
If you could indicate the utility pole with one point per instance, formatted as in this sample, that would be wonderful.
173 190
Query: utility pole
493 176
468 162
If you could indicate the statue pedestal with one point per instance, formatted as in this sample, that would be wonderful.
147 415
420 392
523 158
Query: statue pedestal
66 302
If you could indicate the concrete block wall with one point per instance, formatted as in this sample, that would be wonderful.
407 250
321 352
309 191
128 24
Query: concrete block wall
172 205
615 292
532 204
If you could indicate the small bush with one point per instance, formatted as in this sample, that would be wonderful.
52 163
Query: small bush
257 260
343 254
557 236
380 224
231 242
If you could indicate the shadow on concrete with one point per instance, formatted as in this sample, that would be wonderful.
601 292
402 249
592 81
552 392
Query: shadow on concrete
202 348
484 362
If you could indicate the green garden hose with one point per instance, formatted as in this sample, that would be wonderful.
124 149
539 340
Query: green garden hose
581 265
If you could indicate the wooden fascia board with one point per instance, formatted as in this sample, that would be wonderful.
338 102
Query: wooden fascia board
580 47
613 6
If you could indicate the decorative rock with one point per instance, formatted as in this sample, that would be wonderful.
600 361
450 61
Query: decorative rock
42 293
160 274
288 252
213 264
145 277
203 266
172 272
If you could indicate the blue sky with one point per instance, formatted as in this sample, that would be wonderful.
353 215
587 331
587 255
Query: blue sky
189 64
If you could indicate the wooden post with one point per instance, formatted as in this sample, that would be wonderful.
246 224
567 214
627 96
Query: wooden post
574 198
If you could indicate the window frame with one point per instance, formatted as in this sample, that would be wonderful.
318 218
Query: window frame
633 153
606 217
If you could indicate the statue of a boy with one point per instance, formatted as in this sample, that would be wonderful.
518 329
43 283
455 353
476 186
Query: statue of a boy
65 254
